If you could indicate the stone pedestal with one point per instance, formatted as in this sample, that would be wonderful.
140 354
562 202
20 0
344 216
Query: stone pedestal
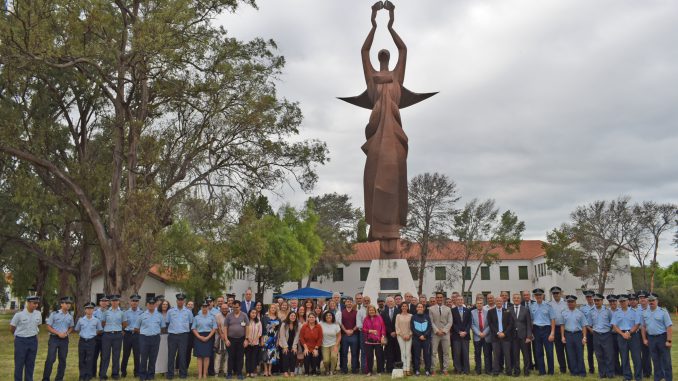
389 277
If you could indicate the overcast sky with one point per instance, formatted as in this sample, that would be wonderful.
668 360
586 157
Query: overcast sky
543 105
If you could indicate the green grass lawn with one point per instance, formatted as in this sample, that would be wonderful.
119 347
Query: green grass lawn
7 359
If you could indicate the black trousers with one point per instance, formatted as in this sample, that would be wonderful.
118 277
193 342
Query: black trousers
482 353
590 351
461 355
312 363
111 344
148 348
130 344
561 354
501 353
251 356
56 345
236 355
391 353
86 358
517 346
97 354
288 361
176 351
372 350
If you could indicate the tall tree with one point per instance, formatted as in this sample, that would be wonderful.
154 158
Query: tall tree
432 197
168 104
656 219
591 245
482 231
337 219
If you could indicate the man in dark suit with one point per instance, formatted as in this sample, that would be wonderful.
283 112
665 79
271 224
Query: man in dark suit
461 336
247 304
502 329
525 302
506 300
521 337
391 349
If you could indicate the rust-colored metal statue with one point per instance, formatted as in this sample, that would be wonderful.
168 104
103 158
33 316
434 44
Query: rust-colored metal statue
385 178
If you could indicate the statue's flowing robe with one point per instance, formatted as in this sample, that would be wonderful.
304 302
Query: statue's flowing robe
385 178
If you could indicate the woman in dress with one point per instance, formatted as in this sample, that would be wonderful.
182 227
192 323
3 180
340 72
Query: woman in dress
331 342
253 333
404 334
288 341
161 360
204 327
421 339
271 325
374 334
311 338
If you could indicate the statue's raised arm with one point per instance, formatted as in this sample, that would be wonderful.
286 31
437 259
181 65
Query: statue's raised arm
399 70
368 69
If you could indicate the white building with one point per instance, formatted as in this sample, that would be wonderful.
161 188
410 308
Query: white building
155 283
522 270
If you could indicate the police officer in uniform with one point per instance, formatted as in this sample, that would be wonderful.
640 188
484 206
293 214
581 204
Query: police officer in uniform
644 350
544 325
600 319
626 324
559 305
111 342
614 306
212 311
24 326
130 340
179 321
586 308
572 333
99 314
59 324
148 327
657 335
88 327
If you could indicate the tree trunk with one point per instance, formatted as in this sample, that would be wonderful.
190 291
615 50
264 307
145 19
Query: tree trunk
422 265
64 283
40 282
654 262
83 281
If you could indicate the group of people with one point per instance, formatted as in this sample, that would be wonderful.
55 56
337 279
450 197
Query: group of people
291 337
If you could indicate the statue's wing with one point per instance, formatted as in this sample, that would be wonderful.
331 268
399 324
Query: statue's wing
362 100
408 98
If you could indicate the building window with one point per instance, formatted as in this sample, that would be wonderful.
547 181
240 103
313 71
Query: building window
485 273
363 273
466 272
485 293
503 273
440 273
468 298
338 275
522 272
314 278
415 273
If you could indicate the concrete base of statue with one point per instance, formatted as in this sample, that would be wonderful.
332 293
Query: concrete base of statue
388 277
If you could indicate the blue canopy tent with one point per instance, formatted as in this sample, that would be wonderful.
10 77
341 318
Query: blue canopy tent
306 293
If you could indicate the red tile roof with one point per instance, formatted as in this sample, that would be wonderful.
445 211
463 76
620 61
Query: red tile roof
529 249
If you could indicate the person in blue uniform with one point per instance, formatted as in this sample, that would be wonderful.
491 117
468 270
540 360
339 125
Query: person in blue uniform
645 358
544 325
213 310
25 326
99 314
203 328
626 324
88 327
586 308
130 340
572 334
657 330
613 305
179 320
59 325
111 342
149 325
600 319
559 305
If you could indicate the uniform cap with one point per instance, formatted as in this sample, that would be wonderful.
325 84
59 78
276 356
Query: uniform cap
538 291
114 297
33 298
598 296
622 297
150 300
556 289
104 298
90 305
642 294
571 298
652 296
180 296
588 293
632 296
135 297
612 298
159 297
66 299
209 298
205 303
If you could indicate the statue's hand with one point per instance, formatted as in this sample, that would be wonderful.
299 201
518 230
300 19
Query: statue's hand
389 6
377 6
